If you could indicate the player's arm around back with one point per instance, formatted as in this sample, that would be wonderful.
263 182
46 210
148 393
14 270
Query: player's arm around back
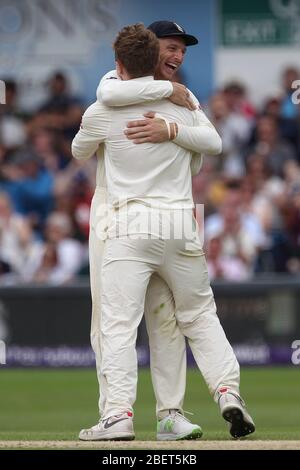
199 137
112 91
93 131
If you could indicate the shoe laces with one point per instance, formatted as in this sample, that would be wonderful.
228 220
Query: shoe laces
178 416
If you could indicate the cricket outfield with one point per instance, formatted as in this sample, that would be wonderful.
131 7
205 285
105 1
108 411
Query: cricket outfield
46 409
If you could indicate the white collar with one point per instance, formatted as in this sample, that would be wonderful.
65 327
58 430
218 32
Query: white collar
142 79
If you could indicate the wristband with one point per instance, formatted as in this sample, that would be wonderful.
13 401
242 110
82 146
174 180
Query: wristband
172 133
168 127
174 130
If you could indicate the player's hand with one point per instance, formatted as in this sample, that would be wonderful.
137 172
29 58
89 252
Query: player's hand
152 129
181 96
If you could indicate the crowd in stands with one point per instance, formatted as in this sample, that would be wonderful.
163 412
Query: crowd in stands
251 192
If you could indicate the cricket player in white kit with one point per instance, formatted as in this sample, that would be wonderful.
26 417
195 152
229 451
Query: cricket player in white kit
169 385
158 179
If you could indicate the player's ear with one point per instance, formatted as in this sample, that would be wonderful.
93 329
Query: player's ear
120 69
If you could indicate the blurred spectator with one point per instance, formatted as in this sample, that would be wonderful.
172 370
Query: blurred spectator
43 145
59 99
18 248
291 213
225 267
12 130
236 100
82 198
240 231
29 185
61 110
261 191
74 190
234 130
62 256
46 272
272 108
269 145
266 202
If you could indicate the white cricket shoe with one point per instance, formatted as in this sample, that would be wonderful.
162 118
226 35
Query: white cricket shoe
233 410
175 427
114 428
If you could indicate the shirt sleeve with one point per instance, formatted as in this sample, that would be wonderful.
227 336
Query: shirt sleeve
93 131
115 92
202 137
196 164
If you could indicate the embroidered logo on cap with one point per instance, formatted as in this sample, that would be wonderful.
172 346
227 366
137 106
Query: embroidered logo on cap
179 28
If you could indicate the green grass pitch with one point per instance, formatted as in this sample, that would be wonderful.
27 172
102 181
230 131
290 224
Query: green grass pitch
56 404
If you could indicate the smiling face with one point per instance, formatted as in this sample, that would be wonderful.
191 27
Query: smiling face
171 54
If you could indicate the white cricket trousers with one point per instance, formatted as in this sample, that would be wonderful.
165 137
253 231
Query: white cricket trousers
165 338
127 267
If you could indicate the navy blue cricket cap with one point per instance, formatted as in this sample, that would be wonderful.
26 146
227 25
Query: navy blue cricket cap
164 29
